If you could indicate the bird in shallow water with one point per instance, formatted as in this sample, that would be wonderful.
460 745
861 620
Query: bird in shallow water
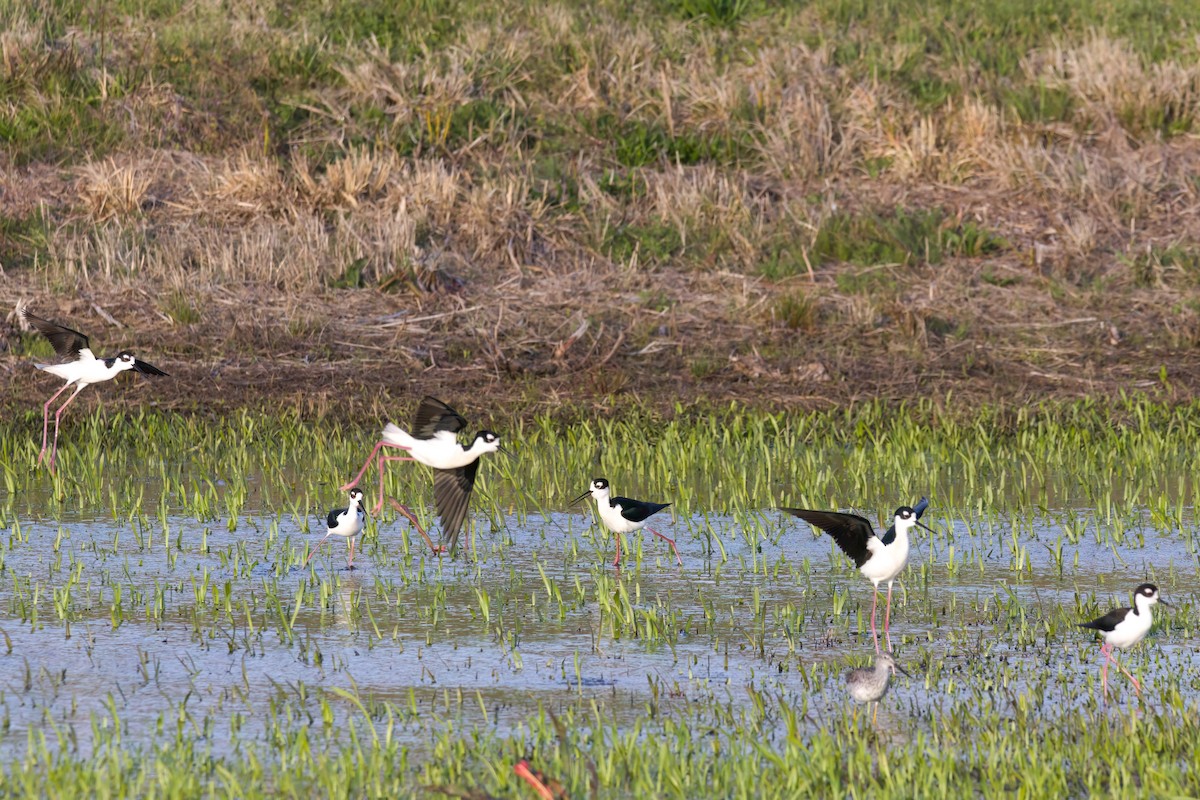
623 515
434 443
1125 627
870 684
346 523
83 370
879 558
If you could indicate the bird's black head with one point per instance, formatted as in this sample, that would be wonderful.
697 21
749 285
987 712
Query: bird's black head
125 356
1146 590
487 436
356 495
599 484
905 513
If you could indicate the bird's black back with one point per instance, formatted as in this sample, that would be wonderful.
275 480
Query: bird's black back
432 416
636 510
332 520
451 494
67 343
850 531
1109 621
889 535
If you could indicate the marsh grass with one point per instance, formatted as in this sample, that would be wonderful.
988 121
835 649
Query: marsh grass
193 530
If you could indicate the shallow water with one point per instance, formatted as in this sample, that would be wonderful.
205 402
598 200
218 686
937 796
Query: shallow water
172 624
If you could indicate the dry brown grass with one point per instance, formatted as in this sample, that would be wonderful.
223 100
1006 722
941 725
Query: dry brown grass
510 176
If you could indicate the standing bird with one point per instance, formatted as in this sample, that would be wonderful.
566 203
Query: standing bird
870 684
623 515
85 369
434 442
1125 627
344 522
878 559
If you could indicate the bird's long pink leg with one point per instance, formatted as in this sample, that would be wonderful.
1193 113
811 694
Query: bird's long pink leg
887 618
46 420
874 603
370 458
1136 685
383 460
670 542
350 563
57 417
1104 670
315 549
522 770
617 560
403 509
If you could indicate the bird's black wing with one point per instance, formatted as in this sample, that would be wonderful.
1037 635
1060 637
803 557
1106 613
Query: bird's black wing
850 531
432 416
636 510
889 535
67 342
147 369
1109 621
451 493
332 520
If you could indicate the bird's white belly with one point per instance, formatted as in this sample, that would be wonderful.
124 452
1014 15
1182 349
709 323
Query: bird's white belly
887 562
92 371
349 524
612 519
1131 630
441 452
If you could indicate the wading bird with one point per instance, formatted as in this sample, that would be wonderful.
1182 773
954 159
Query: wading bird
623 515
1125 627
870 684
84 370
344 522
434 442
879 559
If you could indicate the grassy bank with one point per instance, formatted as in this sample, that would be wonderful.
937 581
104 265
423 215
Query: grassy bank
830 200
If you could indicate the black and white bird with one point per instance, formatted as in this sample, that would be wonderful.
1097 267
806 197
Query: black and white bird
623 515
870 684
346 523
434 442
879 558
84 370
1125 627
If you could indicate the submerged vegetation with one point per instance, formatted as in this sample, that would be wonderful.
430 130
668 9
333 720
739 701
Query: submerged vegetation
161 637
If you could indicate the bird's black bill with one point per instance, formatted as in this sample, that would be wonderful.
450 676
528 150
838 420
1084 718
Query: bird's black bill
147 369
583 496
1163 602
901 670
926 527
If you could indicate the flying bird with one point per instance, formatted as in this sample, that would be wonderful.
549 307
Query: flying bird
83 370
434 443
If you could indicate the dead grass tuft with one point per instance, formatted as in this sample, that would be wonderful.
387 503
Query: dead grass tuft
109 190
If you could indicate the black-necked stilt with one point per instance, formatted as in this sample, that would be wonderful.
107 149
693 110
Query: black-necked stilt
870 684
344 522
879 559
623 515
1125 627
86 369
434 442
